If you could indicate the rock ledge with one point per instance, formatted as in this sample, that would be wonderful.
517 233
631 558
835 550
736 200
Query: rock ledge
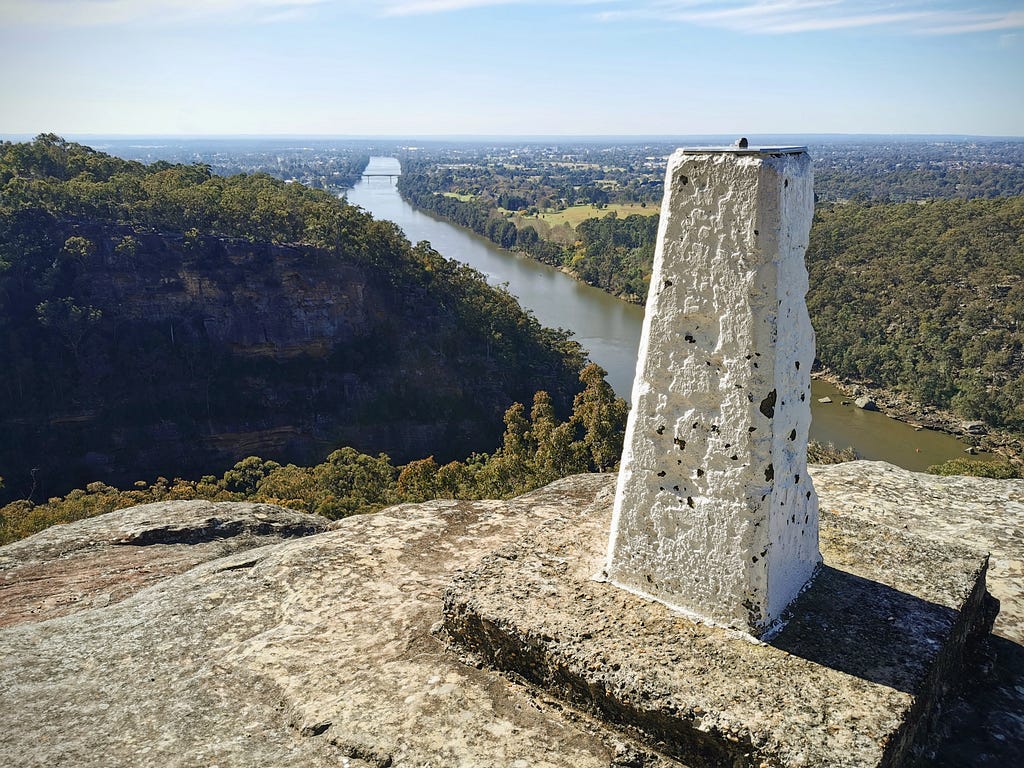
319 651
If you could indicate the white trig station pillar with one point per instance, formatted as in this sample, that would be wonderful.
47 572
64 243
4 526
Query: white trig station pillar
715 514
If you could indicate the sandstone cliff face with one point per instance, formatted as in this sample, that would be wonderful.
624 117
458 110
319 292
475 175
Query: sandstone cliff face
322 651
206 350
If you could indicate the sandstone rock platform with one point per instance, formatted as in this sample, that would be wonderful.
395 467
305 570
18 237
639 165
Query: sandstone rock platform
99 561
854 678
324 650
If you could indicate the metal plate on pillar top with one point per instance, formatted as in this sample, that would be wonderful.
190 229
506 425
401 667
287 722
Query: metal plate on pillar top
742 147
736 150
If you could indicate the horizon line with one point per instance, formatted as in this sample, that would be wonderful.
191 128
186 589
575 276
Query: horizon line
491 136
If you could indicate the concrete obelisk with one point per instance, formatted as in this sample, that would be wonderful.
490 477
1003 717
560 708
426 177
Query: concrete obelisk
715 514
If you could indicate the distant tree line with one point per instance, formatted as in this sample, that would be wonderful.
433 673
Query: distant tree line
615 254
908 184
71 180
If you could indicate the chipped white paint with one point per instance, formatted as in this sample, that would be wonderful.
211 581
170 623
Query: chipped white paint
715 514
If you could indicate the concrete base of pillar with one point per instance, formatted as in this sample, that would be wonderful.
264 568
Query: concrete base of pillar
856 678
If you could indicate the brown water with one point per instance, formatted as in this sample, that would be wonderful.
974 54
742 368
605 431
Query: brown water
610 328
875 436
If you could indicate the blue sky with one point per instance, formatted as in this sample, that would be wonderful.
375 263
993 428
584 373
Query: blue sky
511 67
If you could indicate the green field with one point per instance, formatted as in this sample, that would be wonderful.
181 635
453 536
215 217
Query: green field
577 213
459 196
574 214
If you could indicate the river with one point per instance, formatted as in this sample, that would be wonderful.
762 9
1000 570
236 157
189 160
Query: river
610 328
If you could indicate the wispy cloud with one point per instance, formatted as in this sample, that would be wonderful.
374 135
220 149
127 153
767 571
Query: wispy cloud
414 7
939 17
774 17
764 17
98 13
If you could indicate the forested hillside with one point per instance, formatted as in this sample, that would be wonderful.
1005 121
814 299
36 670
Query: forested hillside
927 298
162 320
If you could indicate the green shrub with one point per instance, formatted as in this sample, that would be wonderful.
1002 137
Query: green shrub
999 470
827 453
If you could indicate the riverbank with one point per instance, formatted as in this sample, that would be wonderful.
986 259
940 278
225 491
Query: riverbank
984 439
629 298
980 437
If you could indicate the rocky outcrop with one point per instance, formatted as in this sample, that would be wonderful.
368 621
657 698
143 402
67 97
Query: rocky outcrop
322 650
101 561
866 403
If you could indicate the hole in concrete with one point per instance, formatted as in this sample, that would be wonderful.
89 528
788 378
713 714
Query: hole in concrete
689 502
808 495
769 473
680 443
660 430
668 283
768 404
662 473
751 429
792 435
700 472
690 339
797 364
684 180
796 478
